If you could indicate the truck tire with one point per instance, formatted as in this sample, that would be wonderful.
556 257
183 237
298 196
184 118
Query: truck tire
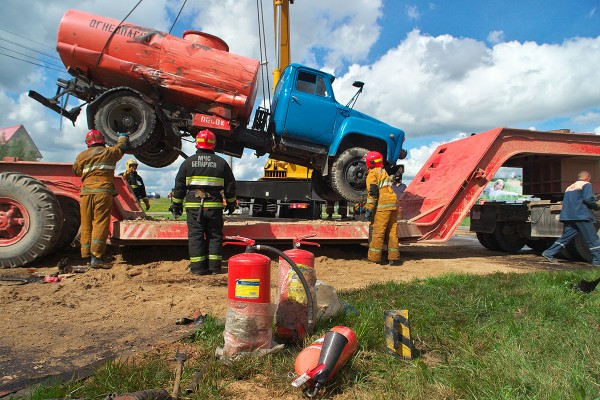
581 246
539 245
322 187
507 242
349 173
488 241
71 223
165 153
30 219
124 111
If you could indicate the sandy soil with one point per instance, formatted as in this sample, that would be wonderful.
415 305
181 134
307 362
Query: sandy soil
53 328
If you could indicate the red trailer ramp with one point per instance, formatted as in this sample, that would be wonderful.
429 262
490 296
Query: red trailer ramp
453 178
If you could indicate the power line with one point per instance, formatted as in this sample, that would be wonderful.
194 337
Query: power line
27 55
30 62
29 48
26 38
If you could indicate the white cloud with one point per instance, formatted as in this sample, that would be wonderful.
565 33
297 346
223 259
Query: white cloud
413 12
495 37
432 85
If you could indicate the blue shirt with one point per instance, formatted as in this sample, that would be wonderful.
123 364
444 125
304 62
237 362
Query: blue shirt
578 203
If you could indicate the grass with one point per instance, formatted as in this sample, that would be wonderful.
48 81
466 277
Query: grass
502 336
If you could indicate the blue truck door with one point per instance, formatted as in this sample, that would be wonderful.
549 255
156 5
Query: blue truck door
312 109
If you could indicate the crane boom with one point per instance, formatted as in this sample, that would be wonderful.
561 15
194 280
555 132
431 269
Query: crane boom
281 22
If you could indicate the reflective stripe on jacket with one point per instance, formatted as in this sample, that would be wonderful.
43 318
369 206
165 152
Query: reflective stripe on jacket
96 166
206 176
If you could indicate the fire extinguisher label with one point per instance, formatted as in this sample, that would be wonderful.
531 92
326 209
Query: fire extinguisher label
247 288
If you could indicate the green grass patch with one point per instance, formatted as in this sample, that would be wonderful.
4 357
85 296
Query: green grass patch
502 336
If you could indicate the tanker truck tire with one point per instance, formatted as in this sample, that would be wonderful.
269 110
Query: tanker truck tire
349 174
322 188
165 153
30 219
125 112
71 222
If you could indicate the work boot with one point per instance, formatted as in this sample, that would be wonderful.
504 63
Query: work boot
99 263
549 258
216 271
199 271
394 262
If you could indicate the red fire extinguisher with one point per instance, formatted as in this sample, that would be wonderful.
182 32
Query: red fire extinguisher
291 317
318 363
248 325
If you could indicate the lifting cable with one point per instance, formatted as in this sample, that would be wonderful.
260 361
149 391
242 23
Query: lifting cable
177 17
264 63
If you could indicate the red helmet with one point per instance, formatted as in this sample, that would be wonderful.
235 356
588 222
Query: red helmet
374 159
94 137
206 140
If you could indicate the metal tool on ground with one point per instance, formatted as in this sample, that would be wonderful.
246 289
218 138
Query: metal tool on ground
196 320
180 357
586 286
193 386
22 281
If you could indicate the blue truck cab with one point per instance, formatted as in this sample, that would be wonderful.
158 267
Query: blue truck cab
309 127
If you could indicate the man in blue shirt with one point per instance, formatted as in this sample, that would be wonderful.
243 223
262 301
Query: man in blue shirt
577 217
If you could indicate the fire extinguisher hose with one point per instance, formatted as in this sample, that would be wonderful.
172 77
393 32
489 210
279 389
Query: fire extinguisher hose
311 306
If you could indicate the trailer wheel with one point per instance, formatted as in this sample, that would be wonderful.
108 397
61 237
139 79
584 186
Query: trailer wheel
509 243
71 223
488 241
322 187
165 153
581 246
30 219
126 112
349 174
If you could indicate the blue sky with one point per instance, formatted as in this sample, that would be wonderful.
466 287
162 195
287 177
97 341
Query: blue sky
437 69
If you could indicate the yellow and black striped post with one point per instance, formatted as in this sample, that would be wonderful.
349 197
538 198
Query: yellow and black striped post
397 333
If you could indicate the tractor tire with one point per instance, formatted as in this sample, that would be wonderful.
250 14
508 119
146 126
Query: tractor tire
126 112
349 174
30 219
322 187
165 153
71 223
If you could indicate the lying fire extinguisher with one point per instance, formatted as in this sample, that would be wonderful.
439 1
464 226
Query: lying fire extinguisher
317 364
291 320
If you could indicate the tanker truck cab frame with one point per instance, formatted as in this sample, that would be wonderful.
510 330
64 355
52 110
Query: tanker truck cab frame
309 124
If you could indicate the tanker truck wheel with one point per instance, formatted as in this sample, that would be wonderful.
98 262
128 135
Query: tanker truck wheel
322 187
165 153
30 219
126 112
349 173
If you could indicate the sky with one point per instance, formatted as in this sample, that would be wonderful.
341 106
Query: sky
439 70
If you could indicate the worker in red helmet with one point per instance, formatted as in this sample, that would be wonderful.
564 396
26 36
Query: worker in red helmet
96 166
381 210
204 180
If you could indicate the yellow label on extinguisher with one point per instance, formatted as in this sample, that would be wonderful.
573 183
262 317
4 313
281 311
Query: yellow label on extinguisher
247 288
296 290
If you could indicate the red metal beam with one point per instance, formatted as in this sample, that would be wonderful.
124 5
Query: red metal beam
271 231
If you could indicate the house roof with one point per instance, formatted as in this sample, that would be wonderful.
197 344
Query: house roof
9 132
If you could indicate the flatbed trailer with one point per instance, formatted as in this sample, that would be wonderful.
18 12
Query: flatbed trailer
39 202
449 184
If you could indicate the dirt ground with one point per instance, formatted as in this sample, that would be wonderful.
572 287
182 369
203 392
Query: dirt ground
54 328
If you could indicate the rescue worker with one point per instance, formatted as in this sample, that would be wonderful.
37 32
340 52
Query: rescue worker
136 182
96 166
381 210
577 217
203 180
342 209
